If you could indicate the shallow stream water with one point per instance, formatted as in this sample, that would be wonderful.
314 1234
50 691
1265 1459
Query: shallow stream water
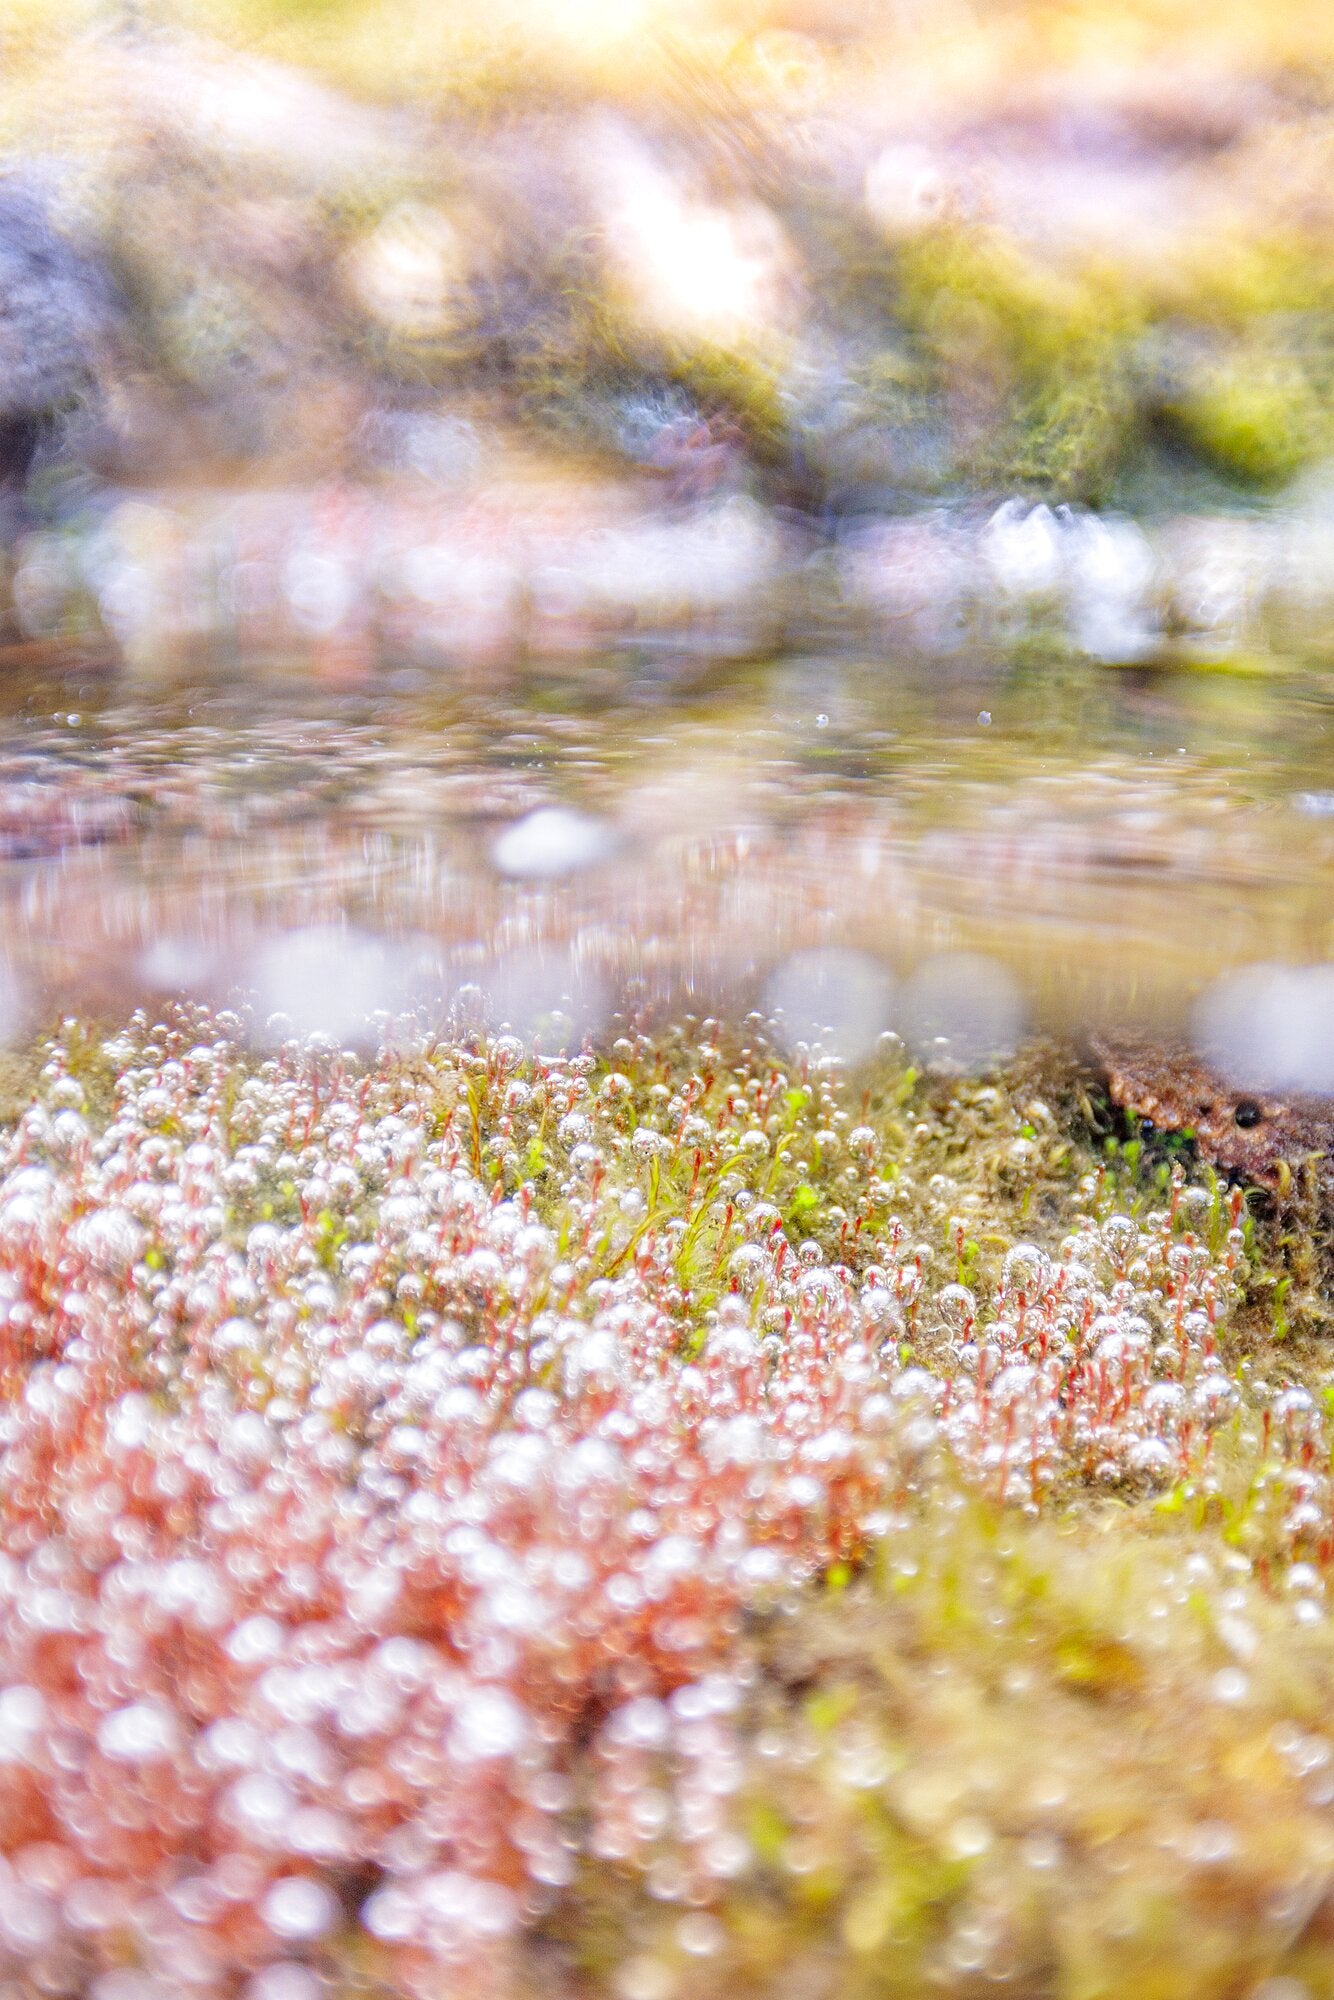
975 847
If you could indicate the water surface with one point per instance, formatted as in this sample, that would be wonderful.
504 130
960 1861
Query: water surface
1112 839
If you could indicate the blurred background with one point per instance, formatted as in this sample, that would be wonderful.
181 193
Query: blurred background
836 256
863 468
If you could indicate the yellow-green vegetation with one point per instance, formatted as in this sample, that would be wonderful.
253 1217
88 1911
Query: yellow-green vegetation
1082 1751
1256 416
1086 1757
1037 360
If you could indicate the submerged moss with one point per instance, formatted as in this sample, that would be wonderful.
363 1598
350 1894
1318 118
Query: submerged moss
1018 1752
1058 1723
1082 1752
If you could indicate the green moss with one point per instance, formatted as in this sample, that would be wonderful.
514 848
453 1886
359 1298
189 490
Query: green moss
1047 1793
1023 1749
1037 361
744 384
1256 417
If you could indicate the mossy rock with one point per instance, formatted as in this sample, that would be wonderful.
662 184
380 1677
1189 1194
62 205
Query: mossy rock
1255 418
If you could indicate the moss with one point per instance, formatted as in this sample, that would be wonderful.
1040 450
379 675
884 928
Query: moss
1037 361
744 384
1256 417
1018 356
1074 1743
1024 1749
1044 1792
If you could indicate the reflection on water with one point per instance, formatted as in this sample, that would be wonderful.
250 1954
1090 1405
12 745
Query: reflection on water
1005 843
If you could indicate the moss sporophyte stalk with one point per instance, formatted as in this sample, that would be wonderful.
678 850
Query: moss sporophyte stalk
424 1477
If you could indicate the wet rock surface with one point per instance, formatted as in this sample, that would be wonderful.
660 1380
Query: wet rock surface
1251 1135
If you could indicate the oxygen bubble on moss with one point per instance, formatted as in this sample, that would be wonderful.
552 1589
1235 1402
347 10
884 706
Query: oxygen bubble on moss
299 1908
957 1308
139 1733
1027 1269
488 1723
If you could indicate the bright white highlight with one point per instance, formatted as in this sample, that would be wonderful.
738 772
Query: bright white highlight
696 267
553 840
326 980
1271 1027
405 270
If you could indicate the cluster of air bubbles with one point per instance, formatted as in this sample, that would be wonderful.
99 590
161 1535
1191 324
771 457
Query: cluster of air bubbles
1103 1361
340 1464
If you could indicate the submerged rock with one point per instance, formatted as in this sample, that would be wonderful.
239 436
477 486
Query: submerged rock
1256 1135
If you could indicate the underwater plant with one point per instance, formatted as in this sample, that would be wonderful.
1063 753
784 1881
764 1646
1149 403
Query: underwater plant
381 1439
